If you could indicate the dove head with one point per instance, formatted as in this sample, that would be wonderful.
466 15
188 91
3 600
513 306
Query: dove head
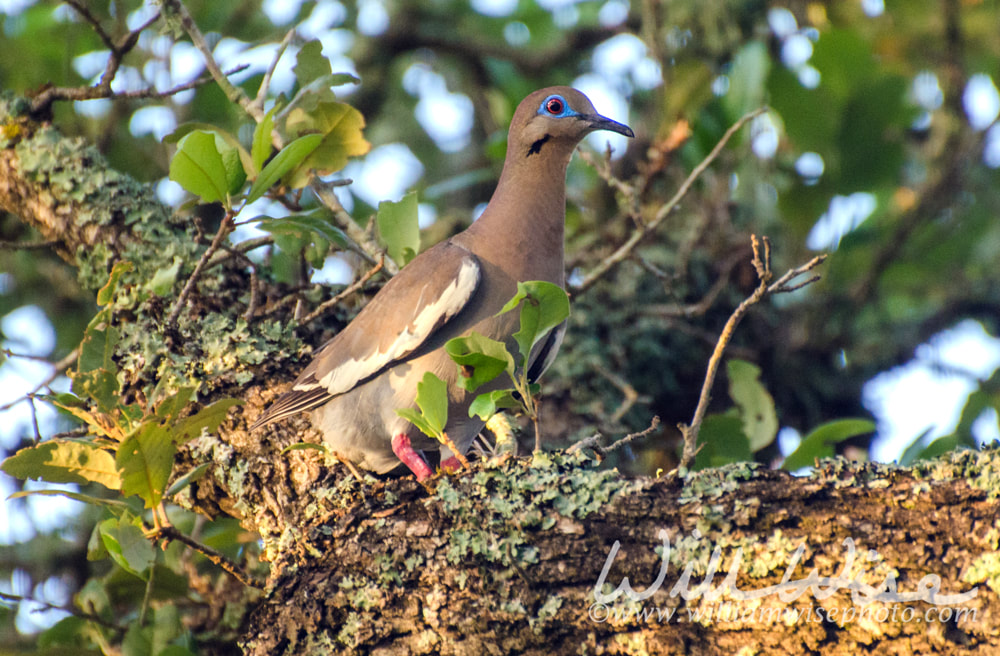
552 121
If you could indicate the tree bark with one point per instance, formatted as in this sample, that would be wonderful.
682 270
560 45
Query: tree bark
504 560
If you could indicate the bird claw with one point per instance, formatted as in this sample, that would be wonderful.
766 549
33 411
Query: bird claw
451 465
404 450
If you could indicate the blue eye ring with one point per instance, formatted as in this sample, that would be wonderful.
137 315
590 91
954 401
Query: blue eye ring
556 106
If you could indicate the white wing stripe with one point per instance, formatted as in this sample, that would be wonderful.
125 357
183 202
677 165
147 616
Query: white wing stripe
450 303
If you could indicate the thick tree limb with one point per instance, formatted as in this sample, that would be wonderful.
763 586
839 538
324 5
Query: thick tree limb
505 561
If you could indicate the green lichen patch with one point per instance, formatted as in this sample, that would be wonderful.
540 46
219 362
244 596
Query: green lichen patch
713 483
491 518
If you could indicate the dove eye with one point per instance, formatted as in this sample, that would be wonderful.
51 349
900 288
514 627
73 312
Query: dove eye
554 106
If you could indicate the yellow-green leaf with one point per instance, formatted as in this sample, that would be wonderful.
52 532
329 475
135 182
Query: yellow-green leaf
341 126
64 461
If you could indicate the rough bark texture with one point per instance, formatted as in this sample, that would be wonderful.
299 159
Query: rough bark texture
504 559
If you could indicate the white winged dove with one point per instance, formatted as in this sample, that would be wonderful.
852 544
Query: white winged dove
358 379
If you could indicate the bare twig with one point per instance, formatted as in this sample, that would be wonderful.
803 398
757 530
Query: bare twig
359 240
265 84
630 244
628 391
233 92
254 283
103 87
594 441
237 572
66 609
225 227
239 249
58 369
347 291
762 263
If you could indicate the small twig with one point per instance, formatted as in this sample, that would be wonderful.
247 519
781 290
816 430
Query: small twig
347 291
72 611
762 263
237 572
265 84
84 12
450 443
358 239
233 92
24 356
241 248
631 437
34 420
594 441
225 227
628 391
254 283
103 87
58 369
534 420
626 249
147 598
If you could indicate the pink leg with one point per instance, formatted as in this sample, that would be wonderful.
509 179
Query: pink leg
404 451
452 464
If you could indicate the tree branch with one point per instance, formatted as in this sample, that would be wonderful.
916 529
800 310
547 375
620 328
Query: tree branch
762 263
625 250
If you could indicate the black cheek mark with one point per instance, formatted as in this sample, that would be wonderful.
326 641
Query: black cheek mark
537 146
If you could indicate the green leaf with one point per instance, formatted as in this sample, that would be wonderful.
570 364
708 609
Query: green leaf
64 461
75 633
940 446
164 278
261 148
760 422
106 294
114 504
341 126
722 441
480 359
418 420
145 460
294 234
207 166
432 399
188 478
399 228
208 418
288 158
486 405
127 545
310 64
169 409
100 385
819 443
230 140
545 306
97 349
915 448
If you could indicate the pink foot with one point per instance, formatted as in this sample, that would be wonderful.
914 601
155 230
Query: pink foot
404 451
452 464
